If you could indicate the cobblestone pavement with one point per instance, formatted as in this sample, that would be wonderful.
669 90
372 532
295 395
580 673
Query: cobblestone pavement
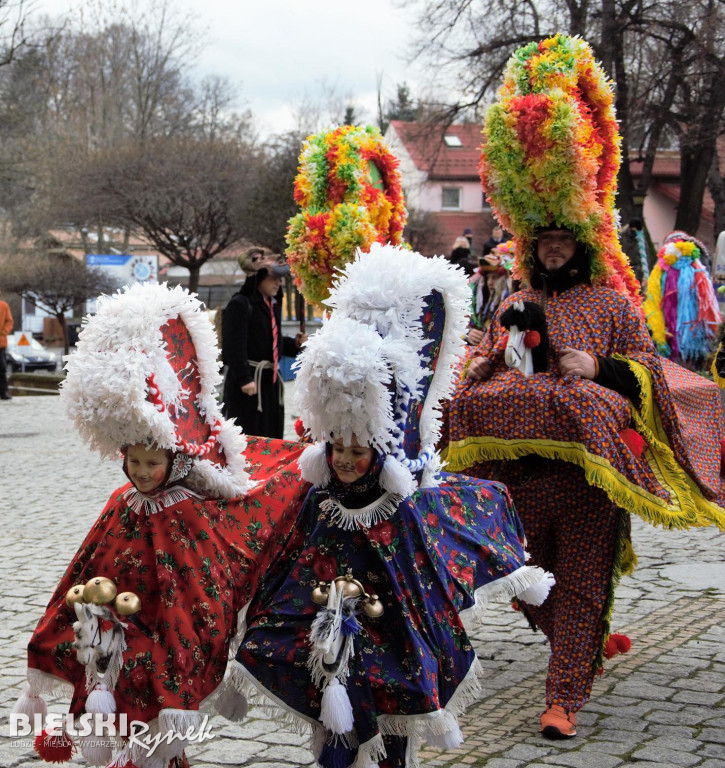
662 704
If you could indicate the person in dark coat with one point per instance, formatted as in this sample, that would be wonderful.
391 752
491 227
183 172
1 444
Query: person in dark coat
252 346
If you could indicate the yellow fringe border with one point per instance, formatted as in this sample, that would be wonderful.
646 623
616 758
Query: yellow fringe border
691 508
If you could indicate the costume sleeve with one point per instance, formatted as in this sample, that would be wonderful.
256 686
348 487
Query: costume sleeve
631 339
235 332
617 375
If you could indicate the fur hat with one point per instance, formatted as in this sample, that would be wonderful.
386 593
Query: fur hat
348 187
145 371
551 155
382 362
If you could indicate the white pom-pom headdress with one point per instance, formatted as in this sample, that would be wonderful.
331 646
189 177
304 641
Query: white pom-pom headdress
383 361
145 371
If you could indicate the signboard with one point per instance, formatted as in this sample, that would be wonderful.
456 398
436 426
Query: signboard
126 268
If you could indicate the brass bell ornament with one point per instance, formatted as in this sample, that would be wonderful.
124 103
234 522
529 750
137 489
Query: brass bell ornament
128 603
320 594
74 595
350 587
372 607
99 591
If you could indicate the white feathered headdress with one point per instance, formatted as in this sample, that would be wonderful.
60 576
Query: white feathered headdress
382 362
145 371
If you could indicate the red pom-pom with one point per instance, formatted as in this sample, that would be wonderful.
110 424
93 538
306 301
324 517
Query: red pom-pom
610 648
532 339
633 440
299 428
622 641
54 749
616 644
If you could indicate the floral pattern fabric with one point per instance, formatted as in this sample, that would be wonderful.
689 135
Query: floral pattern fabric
194 565
433 558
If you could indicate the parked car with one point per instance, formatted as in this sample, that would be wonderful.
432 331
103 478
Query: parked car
34 356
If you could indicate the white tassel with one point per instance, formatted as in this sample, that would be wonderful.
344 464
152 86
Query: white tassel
96 750
336 710
231 704
450 739
100 700
30 703
313 465
537 593
396 478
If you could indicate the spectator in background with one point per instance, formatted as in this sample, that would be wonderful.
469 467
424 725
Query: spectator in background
252 345
6 326
497 237
468 234
461 254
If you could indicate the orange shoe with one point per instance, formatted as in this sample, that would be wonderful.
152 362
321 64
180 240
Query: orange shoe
557 723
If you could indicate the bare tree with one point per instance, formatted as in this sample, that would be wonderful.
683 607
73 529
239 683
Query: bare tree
56 284
663 56
185 195
12 29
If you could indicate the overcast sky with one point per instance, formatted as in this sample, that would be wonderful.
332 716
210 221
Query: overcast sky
280 51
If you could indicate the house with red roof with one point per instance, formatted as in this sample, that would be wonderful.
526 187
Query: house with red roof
439 173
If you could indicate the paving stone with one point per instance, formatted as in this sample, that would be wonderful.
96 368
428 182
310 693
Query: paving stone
586 760
716 735
666 756
698 697
713 764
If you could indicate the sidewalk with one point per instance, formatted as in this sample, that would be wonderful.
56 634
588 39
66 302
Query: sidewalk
661 705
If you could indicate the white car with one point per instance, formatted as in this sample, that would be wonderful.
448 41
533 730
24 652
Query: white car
31 357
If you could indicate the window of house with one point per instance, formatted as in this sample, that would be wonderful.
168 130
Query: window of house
452 141
451 199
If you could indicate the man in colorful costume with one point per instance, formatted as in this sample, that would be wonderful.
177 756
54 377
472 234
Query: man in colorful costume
597 429
358 632
141 623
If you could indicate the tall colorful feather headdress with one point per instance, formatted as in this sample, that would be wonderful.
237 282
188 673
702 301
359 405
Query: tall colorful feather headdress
348 187
551 155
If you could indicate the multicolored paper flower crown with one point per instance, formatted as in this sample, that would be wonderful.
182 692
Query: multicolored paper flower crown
681 307
348 187
551 155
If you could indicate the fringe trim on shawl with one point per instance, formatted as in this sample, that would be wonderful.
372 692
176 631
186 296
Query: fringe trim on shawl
415 727
504 589
43 682
354 519
140 503
598 472
664 465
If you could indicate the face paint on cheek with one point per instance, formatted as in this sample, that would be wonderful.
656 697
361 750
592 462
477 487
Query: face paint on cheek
158 476
362 465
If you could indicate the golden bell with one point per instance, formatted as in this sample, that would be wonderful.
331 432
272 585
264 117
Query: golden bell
373 607
350 588
74 595
128 603
319 595
99 591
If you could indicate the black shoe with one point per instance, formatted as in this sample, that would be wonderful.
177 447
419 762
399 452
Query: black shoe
5 397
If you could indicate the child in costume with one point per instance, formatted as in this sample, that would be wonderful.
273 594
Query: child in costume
358 632
681 306
141 623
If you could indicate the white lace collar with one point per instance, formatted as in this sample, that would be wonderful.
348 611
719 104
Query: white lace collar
351 519
141 503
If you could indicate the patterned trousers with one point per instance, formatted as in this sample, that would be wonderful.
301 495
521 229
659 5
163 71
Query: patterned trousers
572 530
